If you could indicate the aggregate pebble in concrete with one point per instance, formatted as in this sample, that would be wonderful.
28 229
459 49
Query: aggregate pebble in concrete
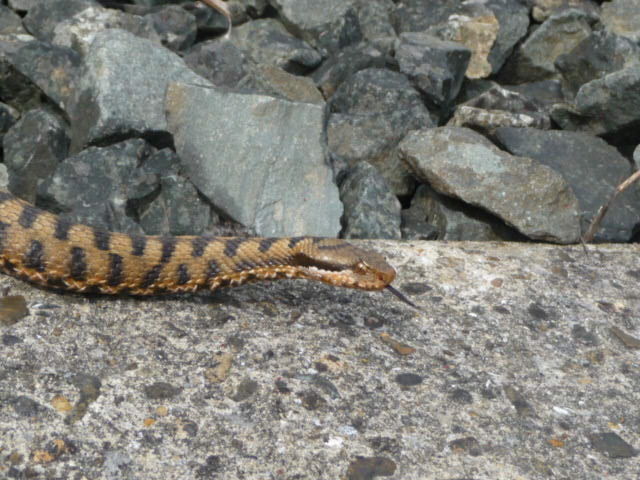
511 369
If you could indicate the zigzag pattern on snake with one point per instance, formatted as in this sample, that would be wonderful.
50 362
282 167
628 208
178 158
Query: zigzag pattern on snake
51 251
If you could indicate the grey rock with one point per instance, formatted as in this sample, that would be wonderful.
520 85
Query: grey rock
4 177
474 87
10 22
176 27
623 18
452 219
435 66
599 54
210 21
636 156
395 172
108 100
8 117
371 137
534 58
513 18
545 93
543 9
23 5
52 68
370 209
327 25
151 3
444 19
9 44
220 62
418 15
476 29
162 162
525 194
373 110
267 143
499 107
486 121
43 17
145 187
567 116
275 82
611 104
15 89
592 168
173 203
177 210
33 147
419 218
267 42
377 90
80 30
414 226
373 17
255 8
176 207
344 64
93 187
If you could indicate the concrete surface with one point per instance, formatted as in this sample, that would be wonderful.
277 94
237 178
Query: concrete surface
522 364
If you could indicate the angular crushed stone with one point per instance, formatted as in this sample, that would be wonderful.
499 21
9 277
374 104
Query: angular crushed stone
461 163
121 87
258 159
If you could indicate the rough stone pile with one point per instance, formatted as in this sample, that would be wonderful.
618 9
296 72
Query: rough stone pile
501 119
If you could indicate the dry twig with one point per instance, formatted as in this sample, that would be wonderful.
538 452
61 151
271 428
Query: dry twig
597 220
220 6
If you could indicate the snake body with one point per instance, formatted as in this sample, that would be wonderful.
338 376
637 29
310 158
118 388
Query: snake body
51 251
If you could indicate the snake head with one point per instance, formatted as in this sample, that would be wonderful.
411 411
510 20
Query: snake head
339 263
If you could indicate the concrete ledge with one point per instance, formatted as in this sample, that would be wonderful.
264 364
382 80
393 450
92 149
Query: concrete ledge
517 367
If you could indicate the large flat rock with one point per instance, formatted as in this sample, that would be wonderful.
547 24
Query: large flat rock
515 367
246 153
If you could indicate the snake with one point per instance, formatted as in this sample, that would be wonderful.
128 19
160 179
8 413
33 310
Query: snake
52 251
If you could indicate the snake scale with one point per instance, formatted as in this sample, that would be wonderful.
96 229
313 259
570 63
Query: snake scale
51 251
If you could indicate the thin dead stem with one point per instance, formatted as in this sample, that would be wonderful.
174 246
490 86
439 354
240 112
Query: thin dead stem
221 7
597 220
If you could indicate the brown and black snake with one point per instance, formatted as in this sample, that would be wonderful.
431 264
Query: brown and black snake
51 251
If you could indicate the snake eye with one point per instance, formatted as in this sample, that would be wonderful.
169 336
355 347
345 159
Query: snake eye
361 267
